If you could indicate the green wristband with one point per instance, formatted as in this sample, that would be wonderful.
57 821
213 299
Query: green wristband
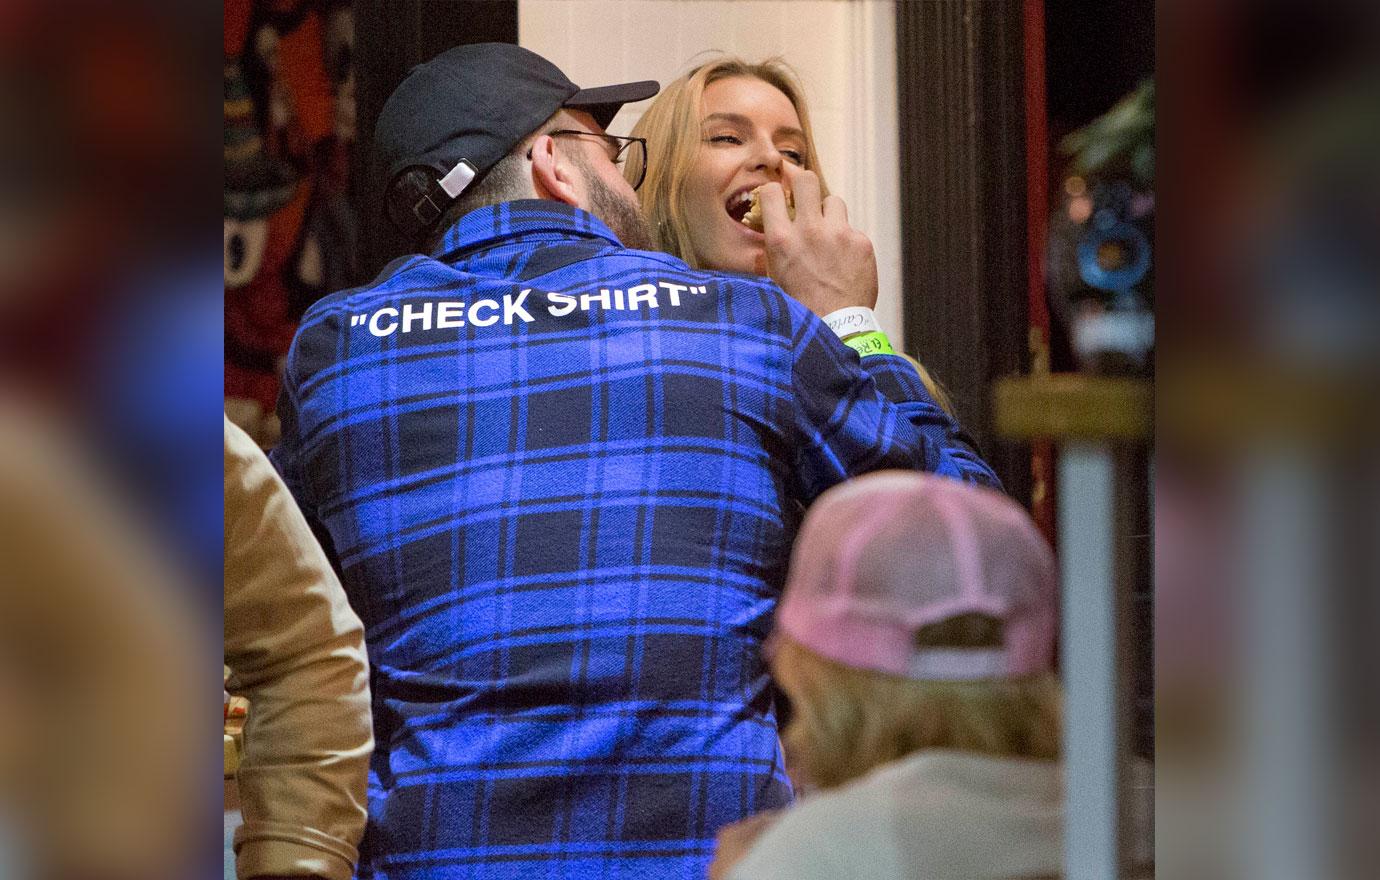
868 344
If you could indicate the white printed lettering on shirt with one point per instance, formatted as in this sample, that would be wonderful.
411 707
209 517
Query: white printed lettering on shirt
483 304
374 327
561 304
674 290
642 293
512 307
602 296
450 315
412 314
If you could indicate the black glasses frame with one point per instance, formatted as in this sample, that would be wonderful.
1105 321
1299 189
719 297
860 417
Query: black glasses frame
619 147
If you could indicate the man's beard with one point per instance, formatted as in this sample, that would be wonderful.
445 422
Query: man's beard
622 215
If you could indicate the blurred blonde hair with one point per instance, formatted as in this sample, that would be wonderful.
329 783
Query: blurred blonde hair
937 391
672 129
847 721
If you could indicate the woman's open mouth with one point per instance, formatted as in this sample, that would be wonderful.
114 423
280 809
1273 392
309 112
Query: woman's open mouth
745 207
739 204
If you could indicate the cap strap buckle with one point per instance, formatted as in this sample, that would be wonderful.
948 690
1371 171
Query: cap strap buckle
426 210
452 184
458 178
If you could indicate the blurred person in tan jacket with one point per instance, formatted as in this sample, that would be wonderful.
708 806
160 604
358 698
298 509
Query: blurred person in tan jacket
296 650
103 703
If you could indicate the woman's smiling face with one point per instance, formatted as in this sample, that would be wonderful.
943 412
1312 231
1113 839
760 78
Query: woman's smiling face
748 128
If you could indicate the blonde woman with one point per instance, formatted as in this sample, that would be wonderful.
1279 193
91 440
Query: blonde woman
915 640
725 126
716 134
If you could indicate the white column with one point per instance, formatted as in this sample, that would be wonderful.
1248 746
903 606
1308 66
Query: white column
872 166
1288 782
1091 660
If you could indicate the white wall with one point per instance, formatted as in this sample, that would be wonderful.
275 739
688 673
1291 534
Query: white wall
844 51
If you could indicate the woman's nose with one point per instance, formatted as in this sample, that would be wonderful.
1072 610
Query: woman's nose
767 158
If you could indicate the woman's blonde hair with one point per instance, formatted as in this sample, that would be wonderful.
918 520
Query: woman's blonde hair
846 721
937 391
672 129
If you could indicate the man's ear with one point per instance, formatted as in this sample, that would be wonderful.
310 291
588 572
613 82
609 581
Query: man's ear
553 176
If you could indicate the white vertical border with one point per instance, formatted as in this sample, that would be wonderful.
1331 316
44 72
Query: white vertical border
1089 591
1289 782
874 171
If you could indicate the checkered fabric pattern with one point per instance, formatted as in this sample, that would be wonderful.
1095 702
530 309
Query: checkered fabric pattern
564 516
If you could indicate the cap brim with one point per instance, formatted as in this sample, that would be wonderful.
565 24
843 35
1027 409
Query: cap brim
604 102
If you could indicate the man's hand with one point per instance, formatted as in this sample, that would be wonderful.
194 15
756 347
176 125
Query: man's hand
817 258
734 841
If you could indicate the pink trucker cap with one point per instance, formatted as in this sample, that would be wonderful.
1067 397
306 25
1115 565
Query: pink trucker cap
884 555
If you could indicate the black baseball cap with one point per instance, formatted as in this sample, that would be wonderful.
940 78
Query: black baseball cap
453 117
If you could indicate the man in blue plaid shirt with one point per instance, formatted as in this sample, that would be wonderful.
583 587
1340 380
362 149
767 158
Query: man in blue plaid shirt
561 477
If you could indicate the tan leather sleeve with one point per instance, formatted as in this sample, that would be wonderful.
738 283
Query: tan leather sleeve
297 652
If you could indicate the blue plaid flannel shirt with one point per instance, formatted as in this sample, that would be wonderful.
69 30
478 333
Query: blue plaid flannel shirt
560 479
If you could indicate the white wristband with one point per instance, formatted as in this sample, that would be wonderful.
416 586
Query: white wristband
851 320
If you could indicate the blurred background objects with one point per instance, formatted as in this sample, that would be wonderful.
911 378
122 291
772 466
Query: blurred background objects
1267 474
109 365
291 234
1264 294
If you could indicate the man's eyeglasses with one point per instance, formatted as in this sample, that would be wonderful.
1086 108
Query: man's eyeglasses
617 148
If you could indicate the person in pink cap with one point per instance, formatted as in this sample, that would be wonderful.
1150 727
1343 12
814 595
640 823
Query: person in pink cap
915 641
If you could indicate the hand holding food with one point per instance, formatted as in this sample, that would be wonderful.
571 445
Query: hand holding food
815 255
753 218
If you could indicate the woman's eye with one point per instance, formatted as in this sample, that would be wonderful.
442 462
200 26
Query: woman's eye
796 157
725 139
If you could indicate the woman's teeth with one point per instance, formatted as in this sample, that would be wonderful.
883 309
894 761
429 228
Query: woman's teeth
738 205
